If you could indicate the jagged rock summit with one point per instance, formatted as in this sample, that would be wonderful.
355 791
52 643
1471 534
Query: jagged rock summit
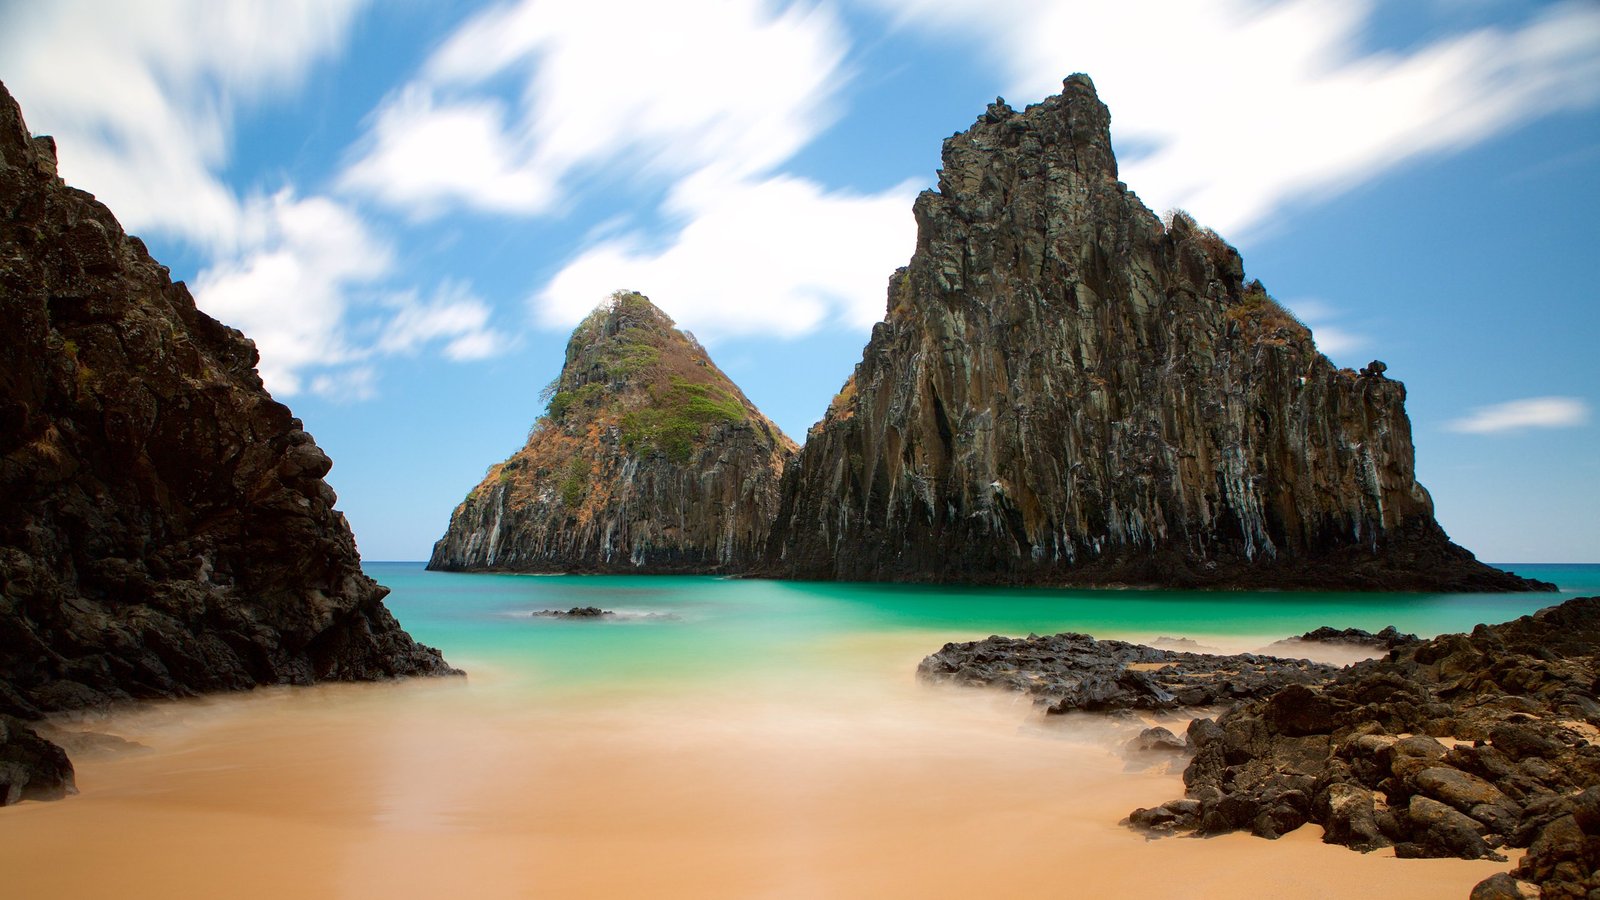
649 460
164 526
1065 390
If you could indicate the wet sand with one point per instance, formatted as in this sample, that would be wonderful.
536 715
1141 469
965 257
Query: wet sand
857 783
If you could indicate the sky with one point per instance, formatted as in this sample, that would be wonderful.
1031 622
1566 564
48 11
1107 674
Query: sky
408 205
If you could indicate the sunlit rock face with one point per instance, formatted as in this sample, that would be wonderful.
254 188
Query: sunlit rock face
165 528
649 460
1067 390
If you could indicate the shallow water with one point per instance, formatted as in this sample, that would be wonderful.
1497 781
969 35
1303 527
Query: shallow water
725 739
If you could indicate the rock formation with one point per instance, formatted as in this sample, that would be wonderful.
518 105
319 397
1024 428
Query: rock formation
164 526
1066 390
649 460
1458 746
1075 672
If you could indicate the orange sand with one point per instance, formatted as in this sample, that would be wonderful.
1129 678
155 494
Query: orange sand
858 784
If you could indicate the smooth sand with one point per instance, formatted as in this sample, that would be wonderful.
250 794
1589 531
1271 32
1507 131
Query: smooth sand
860 783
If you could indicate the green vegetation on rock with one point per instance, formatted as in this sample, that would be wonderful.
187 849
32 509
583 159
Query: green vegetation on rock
678 419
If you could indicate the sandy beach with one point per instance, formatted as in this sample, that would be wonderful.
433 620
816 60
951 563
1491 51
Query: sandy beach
859 782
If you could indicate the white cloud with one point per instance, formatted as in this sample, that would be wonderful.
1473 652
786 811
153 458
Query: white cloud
1519 415
141 96
620 85
288 287
1248 106
780 255
346 385
306 287
425 156
454 315
1333 339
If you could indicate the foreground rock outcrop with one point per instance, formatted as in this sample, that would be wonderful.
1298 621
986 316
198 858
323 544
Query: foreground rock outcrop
164 524
1458 746
650 460
1074 672
1066 390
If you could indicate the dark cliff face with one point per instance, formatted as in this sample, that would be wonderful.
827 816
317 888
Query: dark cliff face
1065 390
650 460
164 526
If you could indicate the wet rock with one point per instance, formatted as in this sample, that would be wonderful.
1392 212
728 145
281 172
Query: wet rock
1157 740
1363 747
1387 638
577 612
649 460
1075 672
1067 390
31 768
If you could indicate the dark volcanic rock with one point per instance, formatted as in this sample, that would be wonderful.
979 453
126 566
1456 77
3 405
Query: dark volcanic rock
1521 768
1065 390
164 524
1157 740
650 460
1067 672
31 768
1387 638
577 612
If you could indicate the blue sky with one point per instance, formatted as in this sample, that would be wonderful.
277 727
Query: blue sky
408 205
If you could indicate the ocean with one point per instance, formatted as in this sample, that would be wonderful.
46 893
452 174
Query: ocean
717 738
673 630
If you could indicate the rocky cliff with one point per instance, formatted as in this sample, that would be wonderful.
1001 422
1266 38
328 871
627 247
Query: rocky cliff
1067 390
649 460
164 526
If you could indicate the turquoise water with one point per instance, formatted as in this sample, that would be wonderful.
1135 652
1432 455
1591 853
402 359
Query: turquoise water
683 629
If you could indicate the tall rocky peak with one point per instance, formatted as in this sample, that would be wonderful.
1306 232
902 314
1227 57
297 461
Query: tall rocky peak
1066 390
649 460
164 524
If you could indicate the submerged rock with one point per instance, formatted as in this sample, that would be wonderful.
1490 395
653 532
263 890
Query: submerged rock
649 460
1065 389
577 612
165 528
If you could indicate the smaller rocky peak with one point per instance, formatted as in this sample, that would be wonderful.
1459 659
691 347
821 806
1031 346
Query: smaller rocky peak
629 366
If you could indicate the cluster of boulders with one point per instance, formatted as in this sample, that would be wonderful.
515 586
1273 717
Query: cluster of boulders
1460 746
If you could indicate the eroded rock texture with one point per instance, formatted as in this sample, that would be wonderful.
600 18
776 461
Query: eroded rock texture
1458 746
649 460
1065 390
164 526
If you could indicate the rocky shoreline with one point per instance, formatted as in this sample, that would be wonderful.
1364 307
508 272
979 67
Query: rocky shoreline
165 526
1460 746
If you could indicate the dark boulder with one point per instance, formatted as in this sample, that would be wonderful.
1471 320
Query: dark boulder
31 768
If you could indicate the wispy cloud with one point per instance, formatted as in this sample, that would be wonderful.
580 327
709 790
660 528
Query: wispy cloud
779 256
141 97
307 286
660 88
1248 106
142 100
1333 338
1519 415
